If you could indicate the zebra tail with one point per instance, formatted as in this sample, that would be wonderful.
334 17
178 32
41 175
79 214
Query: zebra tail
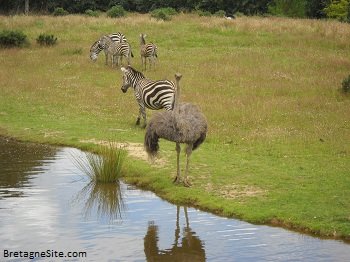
151 142
132 55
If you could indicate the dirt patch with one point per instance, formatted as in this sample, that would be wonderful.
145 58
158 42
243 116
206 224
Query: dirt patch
235 191
134 150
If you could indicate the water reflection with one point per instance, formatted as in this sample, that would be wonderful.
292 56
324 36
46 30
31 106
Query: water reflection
46 219
29 159
102 199
190 248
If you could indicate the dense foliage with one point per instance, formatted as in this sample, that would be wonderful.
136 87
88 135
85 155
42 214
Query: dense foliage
294 8
12 39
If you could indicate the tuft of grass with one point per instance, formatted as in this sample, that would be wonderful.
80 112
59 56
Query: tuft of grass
105 167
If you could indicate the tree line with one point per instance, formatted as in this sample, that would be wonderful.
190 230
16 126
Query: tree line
291 8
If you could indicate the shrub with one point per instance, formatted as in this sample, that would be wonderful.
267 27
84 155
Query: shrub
346 84
163 13
220 13
45 39
90 12
203 13
338 10
59 11
116 11
13 39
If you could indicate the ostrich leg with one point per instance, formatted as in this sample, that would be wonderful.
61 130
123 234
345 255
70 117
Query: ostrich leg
177 178
188 155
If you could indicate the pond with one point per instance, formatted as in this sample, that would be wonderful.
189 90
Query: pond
50 212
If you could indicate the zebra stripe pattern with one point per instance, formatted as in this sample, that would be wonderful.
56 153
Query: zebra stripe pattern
149 94
116 50
97 47
147 51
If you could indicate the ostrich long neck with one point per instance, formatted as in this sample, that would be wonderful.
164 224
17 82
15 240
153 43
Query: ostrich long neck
177 94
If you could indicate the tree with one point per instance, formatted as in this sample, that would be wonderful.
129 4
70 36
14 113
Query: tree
291 8
26 7
338 9
315 8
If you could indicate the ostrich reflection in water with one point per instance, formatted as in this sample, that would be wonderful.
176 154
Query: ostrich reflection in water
189 249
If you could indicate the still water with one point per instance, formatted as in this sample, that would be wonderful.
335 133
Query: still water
47 205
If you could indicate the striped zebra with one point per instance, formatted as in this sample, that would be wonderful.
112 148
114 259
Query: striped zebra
149 94
116 50
147 51
97 47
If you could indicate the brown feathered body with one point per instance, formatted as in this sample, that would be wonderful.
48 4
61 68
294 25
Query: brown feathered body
184 125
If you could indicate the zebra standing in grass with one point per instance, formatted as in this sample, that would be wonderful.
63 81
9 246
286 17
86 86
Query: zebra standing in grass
97 47
149 94
116 50
147 51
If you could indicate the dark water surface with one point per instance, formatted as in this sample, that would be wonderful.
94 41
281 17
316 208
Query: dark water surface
47 205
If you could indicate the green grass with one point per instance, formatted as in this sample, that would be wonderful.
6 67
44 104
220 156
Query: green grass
278 145
106 167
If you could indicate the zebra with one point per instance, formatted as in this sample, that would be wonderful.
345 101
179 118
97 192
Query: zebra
147 51
116 50
97 47
149 94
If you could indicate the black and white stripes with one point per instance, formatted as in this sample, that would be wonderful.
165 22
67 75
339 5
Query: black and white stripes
97 46
149 94
147 51
116 50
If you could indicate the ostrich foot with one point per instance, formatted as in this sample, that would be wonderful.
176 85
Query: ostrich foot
177 180
187 183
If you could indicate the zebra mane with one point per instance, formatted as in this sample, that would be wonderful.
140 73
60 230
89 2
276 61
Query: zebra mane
135 72
94 45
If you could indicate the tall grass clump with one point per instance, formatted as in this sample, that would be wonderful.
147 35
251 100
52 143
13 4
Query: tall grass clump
46 40
105 167
10 38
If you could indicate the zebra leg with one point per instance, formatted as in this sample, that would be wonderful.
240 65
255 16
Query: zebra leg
106 56
143 112
178 172
139 116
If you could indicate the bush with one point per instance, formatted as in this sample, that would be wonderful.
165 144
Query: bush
346 84
203 13
116 11
13 39
163 13
59 11
90 12
338 10
220 13
45 39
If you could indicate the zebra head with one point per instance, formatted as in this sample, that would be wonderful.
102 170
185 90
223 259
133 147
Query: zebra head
126 79
95 49
131 77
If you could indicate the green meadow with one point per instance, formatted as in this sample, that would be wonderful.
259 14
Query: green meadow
278 145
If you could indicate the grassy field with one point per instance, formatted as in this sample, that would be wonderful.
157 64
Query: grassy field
278 146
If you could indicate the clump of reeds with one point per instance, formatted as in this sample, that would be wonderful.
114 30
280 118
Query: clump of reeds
104 167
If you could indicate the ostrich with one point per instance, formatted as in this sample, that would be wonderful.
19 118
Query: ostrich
185 124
